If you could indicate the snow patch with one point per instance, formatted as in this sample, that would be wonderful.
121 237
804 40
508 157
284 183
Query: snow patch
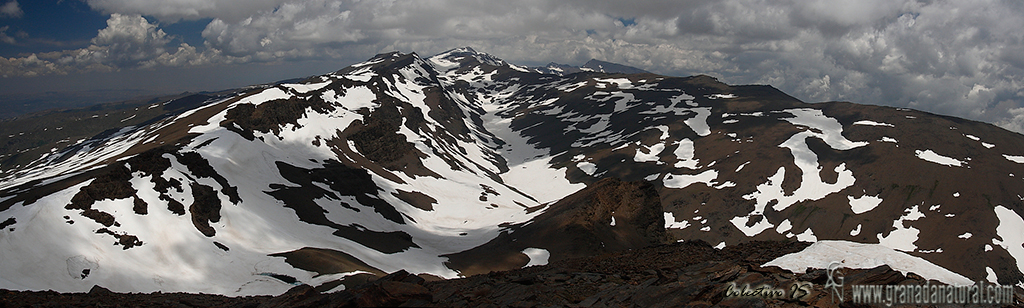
931 156
807 236
855 231
651 155
741 166
537 256
720 96
812 187
621 83
975 138
831 131
587 167
902 238
684 180
571 86
699 123
741 222
664 131
872 123
991 275
1011 233
864 203
685 153
784 226
671 223
355 98
304 88
726 184
823 254
1013 158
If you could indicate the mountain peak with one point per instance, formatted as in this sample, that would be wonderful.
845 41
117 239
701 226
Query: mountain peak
408 162
464 56
464 49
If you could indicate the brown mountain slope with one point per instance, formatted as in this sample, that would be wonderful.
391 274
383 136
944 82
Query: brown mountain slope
609 215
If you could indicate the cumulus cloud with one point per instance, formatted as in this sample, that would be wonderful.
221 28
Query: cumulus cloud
11 9
128 42
949 57
130 39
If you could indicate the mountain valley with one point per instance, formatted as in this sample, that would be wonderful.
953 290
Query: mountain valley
462 164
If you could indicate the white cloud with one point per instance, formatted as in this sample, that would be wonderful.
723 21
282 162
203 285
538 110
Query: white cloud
128 41
950 57
1015 121
294 30
11 9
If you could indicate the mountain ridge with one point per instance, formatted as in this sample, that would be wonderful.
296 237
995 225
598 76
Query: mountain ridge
592 65
404 162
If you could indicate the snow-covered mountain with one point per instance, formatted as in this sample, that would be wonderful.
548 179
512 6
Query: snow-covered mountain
463 163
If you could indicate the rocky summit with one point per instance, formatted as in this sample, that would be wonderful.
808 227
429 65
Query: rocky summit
462 163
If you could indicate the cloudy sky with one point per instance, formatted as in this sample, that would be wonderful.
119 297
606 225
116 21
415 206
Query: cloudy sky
962 58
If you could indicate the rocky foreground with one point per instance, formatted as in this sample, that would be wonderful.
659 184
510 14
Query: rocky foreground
680 274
